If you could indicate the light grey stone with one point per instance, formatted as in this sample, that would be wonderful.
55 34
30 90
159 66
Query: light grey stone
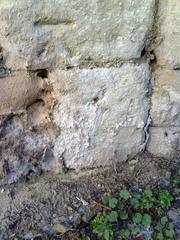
102 114
40 34
168 52
164 142
165 109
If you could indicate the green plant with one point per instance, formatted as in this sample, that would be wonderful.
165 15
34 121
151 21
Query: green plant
135 203
133 211
124 194
164 199
135 200
147 200
170 231
164 220
165 229
123 215
124 233
137 218
135 231
110 201
86 238
146 220
160 236
159 227
121 206
102 225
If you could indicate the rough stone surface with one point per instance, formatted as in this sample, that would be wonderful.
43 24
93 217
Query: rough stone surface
23 150
17 91
48 34
101 113
164 142
88 127
168 52
165 109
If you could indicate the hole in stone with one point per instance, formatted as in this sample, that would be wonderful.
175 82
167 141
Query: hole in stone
177 68
45 91
96 99
143 53
43 73
87 59
165 134
69 67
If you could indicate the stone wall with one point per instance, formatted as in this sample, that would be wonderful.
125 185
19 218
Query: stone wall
86 84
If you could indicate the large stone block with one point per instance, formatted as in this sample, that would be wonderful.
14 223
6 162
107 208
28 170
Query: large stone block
40 34
164 142
165 109
101 114
17 91
168 52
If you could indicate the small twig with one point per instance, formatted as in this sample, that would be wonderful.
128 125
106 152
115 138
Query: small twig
84 203
102 206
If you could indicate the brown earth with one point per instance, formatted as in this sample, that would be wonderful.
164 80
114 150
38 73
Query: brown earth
44 207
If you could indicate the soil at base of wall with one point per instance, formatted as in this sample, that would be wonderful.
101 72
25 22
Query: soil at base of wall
46 206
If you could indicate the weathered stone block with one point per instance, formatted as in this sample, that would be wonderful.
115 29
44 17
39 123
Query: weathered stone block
40 34
17 90
101 114
168 52
165 109
164 142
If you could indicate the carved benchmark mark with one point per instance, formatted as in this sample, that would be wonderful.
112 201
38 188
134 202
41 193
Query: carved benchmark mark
52 22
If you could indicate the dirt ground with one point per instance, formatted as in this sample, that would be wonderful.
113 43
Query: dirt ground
46 206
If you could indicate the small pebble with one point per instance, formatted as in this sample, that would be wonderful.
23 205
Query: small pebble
164 183
60 228
133 162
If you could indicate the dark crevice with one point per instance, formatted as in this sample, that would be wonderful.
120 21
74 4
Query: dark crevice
165 134
4 71
95 99
148 52
143 52
42 73
36 101
69 67
177 68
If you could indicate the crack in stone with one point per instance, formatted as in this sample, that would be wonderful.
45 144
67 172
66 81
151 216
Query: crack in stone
152 63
